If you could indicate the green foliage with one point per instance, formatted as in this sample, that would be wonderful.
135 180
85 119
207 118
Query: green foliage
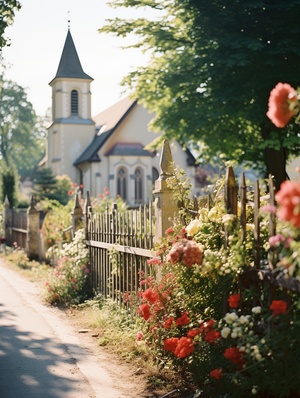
56 221
44 183
18 257
63 186
205 318
21 132
68 283
7 12
104 201
9 184
49 186
210 71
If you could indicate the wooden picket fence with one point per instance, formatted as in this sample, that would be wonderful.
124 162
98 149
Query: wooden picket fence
120 243
264 268
17 234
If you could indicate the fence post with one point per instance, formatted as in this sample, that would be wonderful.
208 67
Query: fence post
164 206
231 190
76 215
87 212
33 230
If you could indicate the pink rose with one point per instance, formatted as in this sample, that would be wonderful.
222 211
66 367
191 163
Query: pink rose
279 112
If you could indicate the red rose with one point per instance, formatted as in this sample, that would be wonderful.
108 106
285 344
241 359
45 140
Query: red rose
183 320
212 336
279 112
288 199
207 326
144 311
184 347
186 251
235 356
234 300
170 230
278 307
168 322
193 333
216 374
171 344
151 295
154 261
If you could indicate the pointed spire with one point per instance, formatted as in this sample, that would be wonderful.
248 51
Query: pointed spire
166 161
69 65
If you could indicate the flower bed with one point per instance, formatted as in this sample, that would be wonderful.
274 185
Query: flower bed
209 314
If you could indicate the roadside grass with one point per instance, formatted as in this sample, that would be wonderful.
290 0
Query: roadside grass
115 327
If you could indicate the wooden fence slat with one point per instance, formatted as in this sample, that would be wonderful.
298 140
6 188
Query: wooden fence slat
256 232
243 200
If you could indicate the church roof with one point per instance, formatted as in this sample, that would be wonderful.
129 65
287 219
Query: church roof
106 123
128 149
69 65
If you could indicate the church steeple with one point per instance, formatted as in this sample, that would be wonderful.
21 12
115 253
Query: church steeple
69 65
72 127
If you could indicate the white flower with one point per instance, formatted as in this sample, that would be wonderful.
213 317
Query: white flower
193 227
227 219
230 317
225 332
258 357
214 214
237 331
249 227
254 390
243 320
203 214
256 310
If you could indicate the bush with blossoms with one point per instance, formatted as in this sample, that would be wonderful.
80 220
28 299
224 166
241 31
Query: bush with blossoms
69 281
204 317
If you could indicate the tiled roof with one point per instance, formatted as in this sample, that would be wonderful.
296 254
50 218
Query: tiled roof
109 118
69 65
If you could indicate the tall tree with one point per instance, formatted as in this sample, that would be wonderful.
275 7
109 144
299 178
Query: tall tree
211 69
7 13
49 186
9 180
21 132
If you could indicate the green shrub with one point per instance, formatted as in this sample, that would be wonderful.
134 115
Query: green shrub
69 282
56 221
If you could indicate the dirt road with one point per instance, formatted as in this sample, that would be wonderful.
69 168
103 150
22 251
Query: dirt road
41 355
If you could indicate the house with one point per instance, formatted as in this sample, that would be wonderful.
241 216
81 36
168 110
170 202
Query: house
109 149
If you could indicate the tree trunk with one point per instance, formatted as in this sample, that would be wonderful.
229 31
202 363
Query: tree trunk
276 165
275 160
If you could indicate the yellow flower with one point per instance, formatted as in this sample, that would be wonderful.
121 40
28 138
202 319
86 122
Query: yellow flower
193 227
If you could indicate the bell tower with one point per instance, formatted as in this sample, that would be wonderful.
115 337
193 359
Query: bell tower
72 128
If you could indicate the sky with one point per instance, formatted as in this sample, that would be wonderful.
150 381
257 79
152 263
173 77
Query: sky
37 38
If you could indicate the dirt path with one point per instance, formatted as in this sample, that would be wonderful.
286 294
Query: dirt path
43 352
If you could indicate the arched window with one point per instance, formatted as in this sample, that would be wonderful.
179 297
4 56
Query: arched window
155 174
122 183
138 186
74 102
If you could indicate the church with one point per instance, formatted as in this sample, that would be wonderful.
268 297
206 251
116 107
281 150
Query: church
108 150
